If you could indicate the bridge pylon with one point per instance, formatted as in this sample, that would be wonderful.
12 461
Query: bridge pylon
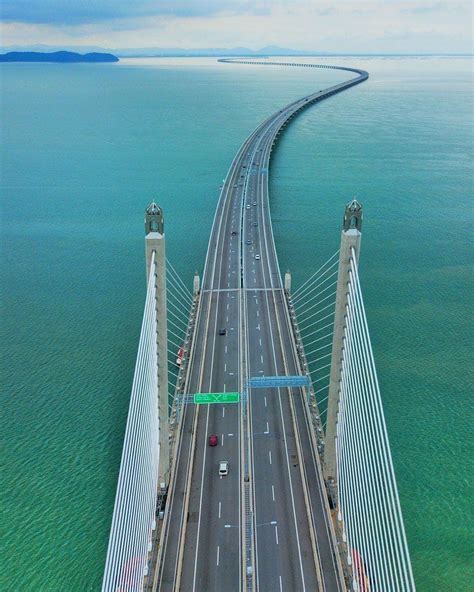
350 239
155 243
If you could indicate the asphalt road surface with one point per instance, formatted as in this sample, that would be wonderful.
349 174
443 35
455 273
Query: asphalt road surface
205 536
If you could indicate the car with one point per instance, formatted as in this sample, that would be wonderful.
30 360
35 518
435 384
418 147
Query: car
257 257
213 440
222 331
248 242
255 224
234 232
248 206
254 203
223 467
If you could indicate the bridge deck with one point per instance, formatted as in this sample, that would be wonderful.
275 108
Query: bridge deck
205 538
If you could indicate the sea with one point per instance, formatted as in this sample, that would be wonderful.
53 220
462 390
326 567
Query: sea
84 149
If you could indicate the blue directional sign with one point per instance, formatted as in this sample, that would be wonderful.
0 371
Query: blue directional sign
278 381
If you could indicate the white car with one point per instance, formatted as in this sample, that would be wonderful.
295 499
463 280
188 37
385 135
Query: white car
223 467
257 257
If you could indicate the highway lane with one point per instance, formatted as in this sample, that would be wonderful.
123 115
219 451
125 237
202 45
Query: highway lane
293 541
326 563
206 318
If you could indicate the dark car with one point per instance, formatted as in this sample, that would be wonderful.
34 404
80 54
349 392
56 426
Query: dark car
249 242
213 440
255 224
222 331
234 232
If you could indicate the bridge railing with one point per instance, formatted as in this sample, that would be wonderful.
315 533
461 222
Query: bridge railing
133 518
368 504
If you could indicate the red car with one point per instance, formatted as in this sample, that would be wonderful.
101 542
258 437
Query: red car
212 440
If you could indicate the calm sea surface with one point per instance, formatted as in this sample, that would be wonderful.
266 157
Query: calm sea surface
84 148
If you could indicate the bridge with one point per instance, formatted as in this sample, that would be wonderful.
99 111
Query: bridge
303 506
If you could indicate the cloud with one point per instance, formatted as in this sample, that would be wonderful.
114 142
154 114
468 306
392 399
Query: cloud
405 26
75 12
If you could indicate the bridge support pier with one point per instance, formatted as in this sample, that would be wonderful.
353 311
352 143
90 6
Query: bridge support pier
155 243
350 239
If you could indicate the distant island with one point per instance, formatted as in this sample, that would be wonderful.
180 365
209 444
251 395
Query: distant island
63 57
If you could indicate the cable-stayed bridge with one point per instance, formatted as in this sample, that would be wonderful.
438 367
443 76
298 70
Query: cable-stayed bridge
296 489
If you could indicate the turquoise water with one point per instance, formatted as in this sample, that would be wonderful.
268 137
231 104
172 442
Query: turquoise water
85 147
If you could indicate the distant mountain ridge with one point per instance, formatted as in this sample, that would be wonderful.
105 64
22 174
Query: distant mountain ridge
135 52
64 57
164 51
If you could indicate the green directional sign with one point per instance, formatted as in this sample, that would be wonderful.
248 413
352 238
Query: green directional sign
202 398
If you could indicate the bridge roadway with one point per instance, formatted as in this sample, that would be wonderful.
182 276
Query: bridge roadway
204 534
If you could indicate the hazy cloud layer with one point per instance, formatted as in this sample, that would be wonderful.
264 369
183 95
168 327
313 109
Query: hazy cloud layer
92 11
311 25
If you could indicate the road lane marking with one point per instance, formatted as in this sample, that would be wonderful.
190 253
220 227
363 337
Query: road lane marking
222 440
220 506
226 349
261 359
270 456
223 411
273 494
217 559
260 340
258 314
276 535
268 429
281 585
265 399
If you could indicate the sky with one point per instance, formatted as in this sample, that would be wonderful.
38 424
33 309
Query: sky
358 26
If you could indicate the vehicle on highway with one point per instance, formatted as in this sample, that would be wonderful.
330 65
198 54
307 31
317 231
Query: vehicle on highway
222 331
213 440
234 232
248 242
248 206
223 467
255 224
254 203
180 356
257 257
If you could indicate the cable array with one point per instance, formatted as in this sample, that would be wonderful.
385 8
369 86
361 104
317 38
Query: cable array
369 507
179 303
133 518
314 302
